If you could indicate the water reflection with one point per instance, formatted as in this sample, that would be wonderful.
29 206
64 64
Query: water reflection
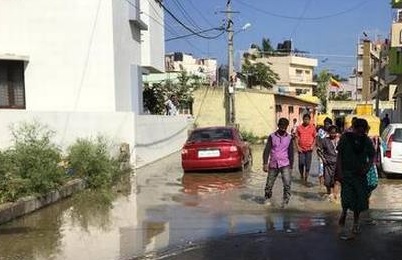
92 209
196 183
292 223
162 208
35 236
57 230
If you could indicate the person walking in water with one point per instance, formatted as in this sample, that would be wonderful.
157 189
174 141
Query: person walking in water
322 133
305 141
328 155
355 157
278 159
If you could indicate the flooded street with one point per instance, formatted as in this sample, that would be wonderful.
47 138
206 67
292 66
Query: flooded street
160 209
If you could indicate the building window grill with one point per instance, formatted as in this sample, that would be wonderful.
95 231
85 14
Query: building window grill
12 89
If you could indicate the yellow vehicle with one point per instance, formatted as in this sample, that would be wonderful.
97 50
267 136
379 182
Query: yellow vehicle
320 119
373 121
365 111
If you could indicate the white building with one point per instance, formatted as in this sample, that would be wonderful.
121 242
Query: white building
77 65
205 68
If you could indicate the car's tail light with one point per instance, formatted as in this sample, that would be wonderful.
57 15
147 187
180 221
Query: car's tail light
233 149
184 152
389 147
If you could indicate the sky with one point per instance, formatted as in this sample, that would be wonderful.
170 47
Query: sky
327 29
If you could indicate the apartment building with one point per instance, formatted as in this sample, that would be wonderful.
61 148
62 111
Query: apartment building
295 71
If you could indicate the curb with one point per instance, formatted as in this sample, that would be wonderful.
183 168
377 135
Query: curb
23 206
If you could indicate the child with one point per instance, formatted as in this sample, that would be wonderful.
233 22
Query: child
278 159
328 155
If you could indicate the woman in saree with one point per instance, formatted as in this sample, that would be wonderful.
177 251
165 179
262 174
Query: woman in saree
355 157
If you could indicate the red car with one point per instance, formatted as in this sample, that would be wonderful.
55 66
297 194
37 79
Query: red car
213 148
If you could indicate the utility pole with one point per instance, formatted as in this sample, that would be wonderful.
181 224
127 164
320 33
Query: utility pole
230 112
366 71
378 84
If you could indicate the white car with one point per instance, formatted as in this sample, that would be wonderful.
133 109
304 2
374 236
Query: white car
391 149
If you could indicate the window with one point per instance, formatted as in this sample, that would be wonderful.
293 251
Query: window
290 109
278 108
307 72
301 110
349 94
299 72
400 35
299 91
12 91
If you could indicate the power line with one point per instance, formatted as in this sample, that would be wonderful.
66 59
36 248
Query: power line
357 6
168 27
300 18
200 14
185 14
191 34
182 24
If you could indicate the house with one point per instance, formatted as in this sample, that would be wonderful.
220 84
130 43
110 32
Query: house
294 107
77 66
205 68
295 69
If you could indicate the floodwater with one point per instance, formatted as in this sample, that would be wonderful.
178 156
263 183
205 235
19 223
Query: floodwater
160 208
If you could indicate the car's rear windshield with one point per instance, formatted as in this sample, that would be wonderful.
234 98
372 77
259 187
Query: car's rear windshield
398 135
211 134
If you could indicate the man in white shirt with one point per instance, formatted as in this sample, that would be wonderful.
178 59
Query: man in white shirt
172 106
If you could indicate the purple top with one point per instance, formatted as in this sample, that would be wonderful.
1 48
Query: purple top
279 150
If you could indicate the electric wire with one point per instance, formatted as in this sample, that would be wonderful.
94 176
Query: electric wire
192 34
168 27
300 18
354 7
200 14
182 24
186 15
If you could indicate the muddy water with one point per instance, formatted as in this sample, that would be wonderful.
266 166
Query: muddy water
161 208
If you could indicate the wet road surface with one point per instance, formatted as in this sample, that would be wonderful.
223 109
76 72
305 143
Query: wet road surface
160 209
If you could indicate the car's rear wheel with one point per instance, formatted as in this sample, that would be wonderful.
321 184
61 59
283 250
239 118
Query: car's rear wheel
381 173
247 164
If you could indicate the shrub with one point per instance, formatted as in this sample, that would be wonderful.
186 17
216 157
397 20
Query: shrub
33 159
91 160
250 137
12 186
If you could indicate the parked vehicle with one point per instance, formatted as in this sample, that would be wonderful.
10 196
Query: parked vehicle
391 149
212 148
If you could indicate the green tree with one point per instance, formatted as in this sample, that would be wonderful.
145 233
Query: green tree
155 95
183 78
321 91
341 97
259 74
266 47
154 98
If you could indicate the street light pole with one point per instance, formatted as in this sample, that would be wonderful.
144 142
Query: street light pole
229 100
229 89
